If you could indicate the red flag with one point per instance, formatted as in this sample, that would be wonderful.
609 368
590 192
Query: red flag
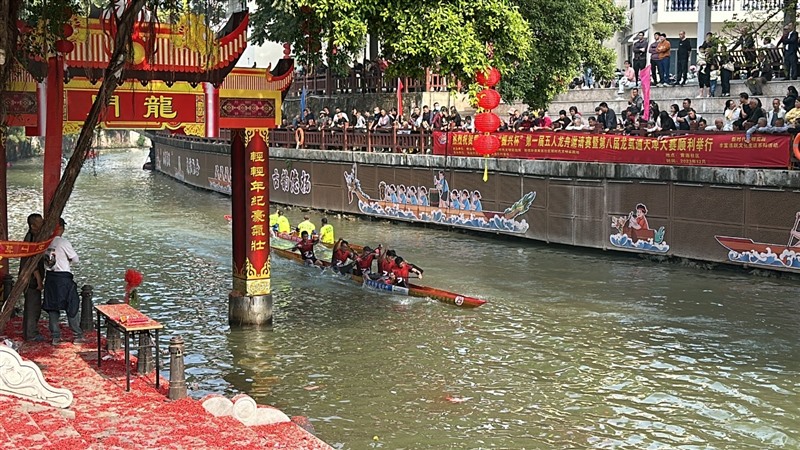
645 85
399 97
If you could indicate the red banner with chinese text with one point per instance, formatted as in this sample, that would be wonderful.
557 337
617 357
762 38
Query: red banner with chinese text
141 109
702 149
22 249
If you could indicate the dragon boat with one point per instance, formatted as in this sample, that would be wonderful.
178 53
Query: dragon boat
413 290
293 237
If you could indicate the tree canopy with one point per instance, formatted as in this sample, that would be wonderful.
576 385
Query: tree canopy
539 46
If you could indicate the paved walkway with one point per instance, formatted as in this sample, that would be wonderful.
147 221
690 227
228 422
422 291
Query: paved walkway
104 416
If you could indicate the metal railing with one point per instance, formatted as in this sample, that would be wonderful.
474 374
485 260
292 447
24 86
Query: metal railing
692 5
364 82
390 141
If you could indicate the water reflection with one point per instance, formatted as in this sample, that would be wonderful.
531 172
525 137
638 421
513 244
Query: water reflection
576 349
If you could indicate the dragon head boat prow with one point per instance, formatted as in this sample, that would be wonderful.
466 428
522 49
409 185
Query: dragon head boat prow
520 207
354 186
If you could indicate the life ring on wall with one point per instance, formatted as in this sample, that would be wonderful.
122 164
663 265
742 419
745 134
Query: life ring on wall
796 146
299 137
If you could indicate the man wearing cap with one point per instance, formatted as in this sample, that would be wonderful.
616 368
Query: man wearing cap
60 290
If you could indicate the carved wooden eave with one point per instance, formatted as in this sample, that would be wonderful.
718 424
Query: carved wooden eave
169 62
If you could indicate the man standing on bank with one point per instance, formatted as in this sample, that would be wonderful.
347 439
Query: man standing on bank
639 55
33 293
684 50
60 291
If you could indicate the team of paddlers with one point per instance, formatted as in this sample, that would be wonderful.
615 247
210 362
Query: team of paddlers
391 268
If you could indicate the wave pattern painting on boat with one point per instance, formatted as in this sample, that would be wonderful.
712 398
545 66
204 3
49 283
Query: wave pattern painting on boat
747 251
787 259
455 207
624 241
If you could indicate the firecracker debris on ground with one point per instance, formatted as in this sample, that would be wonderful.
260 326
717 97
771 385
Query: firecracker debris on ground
104 416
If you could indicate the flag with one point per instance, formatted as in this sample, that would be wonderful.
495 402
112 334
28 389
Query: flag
399 97
303 104
644 79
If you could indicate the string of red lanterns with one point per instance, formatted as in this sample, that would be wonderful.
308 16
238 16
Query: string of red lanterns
487 122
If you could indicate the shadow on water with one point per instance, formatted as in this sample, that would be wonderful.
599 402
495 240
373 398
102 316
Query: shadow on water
575 349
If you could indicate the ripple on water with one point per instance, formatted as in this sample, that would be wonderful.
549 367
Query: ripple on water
575 349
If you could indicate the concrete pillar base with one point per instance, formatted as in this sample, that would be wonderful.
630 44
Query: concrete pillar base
255 310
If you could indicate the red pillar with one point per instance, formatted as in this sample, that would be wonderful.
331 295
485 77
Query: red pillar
212 109
3 204
54 128
250 302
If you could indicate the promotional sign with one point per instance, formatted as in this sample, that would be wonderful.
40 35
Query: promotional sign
701 149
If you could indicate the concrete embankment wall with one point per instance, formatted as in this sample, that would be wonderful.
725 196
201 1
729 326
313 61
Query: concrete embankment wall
575 203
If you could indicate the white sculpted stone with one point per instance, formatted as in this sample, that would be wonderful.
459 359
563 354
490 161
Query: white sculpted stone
244 409
23 379
218 406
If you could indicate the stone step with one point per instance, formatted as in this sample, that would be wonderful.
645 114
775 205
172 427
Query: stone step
22 430
771 89
706 107
56 426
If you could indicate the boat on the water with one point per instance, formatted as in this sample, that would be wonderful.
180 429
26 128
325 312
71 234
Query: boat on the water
293 237
412 290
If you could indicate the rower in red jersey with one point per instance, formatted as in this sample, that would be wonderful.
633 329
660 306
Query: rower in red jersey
364 261
306 249
343 257
401 271
386 263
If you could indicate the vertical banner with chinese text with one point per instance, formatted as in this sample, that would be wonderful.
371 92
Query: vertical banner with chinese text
250 209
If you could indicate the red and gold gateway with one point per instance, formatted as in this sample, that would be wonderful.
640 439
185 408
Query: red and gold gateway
178 82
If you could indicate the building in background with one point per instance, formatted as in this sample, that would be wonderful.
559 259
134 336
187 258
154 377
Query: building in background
673 16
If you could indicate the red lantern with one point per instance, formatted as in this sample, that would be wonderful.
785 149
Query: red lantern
488 78
487 122
67 30
488 99
486 144
64 46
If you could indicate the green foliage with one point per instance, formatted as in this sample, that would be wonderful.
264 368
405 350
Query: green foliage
568 35
450 36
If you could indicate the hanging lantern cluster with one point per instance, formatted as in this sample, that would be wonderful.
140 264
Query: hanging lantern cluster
487 122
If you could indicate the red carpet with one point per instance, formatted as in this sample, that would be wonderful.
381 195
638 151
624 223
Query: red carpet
104 416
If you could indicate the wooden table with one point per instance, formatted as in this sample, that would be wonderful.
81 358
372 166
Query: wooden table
129 321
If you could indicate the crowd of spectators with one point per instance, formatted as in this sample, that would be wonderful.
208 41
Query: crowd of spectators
382 120
748 114
745 114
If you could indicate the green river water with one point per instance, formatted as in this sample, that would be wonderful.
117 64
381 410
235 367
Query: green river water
575 349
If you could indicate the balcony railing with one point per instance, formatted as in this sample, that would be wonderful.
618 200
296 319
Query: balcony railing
358 140
364 82
761 5
692 5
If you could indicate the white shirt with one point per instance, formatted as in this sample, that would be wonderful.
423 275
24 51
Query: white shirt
59 255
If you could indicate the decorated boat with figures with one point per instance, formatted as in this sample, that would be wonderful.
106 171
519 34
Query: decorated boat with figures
412 290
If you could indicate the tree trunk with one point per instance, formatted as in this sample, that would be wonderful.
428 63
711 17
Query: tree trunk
789 11
113 74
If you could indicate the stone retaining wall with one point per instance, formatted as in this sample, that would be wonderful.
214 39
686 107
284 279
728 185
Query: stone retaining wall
688 208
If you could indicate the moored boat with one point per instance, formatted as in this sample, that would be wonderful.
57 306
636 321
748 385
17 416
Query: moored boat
412 290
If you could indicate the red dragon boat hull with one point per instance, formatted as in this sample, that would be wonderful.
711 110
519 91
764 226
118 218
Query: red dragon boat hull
743 245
